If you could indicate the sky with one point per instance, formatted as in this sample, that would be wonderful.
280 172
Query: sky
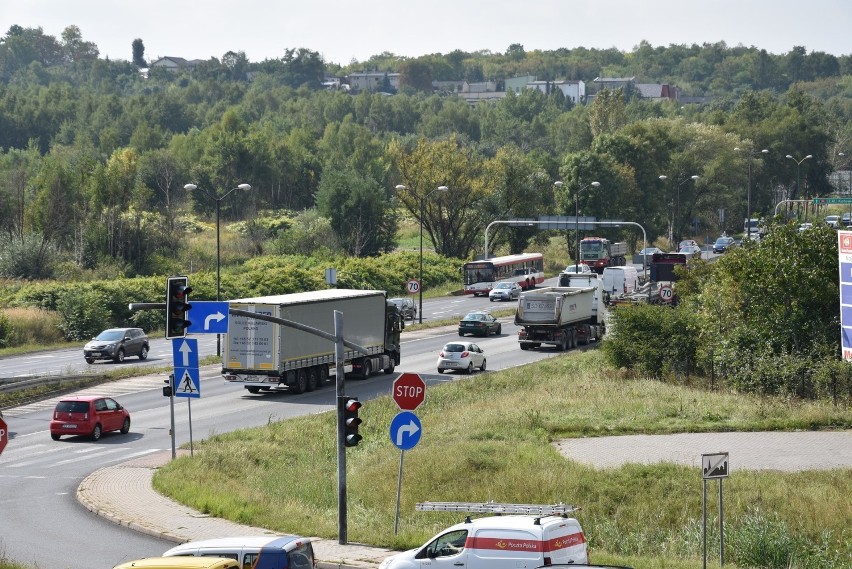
357 29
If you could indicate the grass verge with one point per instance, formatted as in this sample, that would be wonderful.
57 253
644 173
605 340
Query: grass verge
489 438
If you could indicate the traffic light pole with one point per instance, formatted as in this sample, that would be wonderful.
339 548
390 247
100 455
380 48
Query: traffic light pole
339 358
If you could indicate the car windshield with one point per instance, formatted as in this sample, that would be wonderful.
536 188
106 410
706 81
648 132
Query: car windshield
109 335
503 285
455 348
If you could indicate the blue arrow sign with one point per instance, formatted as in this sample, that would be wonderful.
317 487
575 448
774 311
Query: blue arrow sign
405 430
187 382
185 351
208 317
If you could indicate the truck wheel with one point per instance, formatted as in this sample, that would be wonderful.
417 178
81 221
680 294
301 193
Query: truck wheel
367 368
253 389
313 379
301 382
525 346
565 344
391 365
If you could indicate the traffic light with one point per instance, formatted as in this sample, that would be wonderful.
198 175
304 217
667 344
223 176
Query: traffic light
168 390
351 421
177 305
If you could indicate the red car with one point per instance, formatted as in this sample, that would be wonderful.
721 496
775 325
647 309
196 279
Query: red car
90 416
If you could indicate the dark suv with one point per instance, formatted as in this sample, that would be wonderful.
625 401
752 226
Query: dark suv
407 308
116 344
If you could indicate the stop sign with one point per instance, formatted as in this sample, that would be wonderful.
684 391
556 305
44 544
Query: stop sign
4 435
409 391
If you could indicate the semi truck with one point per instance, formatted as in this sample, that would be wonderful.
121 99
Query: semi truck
600 253
266 356
560 316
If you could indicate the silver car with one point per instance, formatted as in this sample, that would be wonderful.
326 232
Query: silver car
462 356
505 291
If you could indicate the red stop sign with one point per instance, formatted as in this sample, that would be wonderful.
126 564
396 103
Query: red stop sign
409 391
4 435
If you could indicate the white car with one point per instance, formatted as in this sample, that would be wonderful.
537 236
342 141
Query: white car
462 356
805 226
577 269
505 291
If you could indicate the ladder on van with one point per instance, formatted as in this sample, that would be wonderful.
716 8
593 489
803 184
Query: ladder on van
497 508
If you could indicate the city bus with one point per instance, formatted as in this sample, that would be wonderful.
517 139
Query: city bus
526 269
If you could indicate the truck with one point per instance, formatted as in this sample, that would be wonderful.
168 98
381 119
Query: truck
561 316
600 253
266 356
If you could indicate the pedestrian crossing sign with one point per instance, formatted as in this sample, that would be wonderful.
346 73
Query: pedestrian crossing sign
187 382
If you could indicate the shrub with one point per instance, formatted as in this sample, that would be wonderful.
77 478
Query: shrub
83 314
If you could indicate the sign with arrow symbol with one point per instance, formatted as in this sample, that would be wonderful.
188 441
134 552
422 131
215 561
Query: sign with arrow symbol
187 377
208 318
406 430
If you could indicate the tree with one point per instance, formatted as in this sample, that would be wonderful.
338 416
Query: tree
139 53
416 75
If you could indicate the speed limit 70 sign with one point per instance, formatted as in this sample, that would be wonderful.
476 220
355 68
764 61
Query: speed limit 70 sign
413 286
666 293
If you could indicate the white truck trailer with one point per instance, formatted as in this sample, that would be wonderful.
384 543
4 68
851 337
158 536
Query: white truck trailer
559 316
264 356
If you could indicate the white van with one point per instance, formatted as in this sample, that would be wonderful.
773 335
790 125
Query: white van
253 552
620 280
499 542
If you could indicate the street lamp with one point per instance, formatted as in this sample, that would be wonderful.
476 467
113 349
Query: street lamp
677 208
422 199
798 164
217 198
558 184
751 154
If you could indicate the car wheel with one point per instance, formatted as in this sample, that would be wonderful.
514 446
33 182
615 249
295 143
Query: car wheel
125 428
119 357
90 360
469 368
461 334
440 370
491 299
143 353
482 367
96 432
499 329
55 436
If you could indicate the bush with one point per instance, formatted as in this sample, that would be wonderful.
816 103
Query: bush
83 314
30 258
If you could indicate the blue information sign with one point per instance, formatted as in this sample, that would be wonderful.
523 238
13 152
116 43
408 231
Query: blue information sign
208 317
405 430
185 351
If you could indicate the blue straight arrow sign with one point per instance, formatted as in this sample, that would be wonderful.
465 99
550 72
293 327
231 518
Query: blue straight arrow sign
185 351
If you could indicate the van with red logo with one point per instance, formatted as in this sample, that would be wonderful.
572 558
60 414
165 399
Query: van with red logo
542 535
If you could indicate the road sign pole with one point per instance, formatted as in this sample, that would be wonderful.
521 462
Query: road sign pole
398 492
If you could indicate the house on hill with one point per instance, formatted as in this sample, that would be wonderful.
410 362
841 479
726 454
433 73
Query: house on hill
175 64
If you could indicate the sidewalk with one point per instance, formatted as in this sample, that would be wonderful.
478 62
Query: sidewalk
116 493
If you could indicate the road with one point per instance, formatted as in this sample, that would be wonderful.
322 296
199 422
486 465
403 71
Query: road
42 521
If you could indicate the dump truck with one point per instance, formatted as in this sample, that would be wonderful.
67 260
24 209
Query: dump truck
600 253
560 316
266 356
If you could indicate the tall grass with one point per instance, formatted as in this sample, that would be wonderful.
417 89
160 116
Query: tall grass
32 328
489 438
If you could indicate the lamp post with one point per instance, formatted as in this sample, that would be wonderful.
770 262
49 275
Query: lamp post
217 198
422 206
558 184
798 177
751 154
673 233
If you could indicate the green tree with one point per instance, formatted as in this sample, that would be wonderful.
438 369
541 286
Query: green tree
138 49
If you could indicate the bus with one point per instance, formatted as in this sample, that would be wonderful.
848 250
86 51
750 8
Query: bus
526 269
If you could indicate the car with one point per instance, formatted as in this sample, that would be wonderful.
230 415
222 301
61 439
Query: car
805 226
463 356
833 220
687 243
88 415
691 251
116 344
846 219
723 244
407 308
479 323
505 291
579 268
649 251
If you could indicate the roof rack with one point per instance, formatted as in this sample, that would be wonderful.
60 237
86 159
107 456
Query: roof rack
496 508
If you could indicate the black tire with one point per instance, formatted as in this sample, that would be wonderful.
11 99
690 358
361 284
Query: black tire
525 346
125 428
391 366
313 379
301 382
119 357
97 432
55 436
143 353
469 369
461 334
90 360
499 330
440 370
491 298
482 367
367 368
253 389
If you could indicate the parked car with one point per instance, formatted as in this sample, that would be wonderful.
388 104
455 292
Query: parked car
723 244
88 415
579 268
846 219
505 291
479 323
116 344
407 308
462 356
